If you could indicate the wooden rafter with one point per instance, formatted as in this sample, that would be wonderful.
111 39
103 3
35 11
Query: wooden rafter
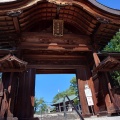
16 24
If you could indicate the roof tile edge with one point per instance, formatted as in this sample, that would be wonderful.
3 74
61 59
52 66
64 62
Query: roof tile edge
105 8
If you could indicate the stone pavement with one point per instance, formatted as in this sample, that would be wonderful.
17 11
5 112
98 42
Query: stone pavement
61 117
103 118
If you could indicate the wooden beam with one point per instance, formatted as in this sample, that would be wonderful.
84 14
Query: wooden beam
96 29
37 41
49 38
56 71
35 46
16 24
12 70
32 56
52 67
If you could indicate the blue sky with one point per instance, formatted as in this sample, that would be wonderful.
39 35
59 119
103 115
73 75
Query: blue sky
111 3
47 85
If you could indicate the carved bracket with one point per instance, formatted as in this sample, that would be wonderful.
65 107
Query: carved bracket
14 13
61 2
103 20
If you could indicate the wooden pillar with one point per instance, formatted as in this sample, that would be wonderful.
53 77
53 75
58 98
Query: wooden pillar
6 81
91 85
8 95
97 62
14 92
105 86
24 108
96 59
81 79
105 96
1 97
84 77
109 100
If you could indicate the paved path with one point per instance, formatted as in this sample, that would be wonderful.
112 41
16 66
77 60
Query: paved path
104 118
54 117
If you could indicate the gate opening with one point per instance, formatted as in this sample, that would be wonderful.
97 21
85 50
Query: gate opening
50 90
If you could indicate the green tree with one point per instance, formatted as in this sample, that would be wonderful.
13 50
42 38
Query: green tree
39 105
114 46
74 89
70 91
116 78
73 86
43 108
58 96
36 105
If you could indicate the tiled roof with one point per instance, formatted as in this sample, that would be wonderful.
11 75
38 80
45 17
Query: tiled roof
72 97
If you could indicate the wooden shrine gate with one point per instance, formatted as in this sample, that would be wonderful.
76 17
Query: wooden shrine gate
18 87
61 36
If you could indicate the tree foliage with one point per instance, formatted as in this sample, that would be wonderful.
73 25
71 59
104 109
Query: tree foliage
114 46
39 105
70 91
36 105
73 86
116 78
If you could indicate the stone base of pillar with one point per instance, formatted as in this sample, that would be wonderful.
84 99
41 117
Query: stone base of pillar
12 118
86 115
29 118
34 119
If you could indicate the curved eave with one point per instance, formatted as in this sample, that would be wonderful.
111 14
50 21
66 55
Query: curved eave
105 8
10 63
87 16
10 58
18 5
91 6
8 1
27 3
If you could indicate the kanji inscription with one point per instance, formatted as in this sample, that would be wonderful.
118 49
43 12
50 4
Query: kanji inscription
58 27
